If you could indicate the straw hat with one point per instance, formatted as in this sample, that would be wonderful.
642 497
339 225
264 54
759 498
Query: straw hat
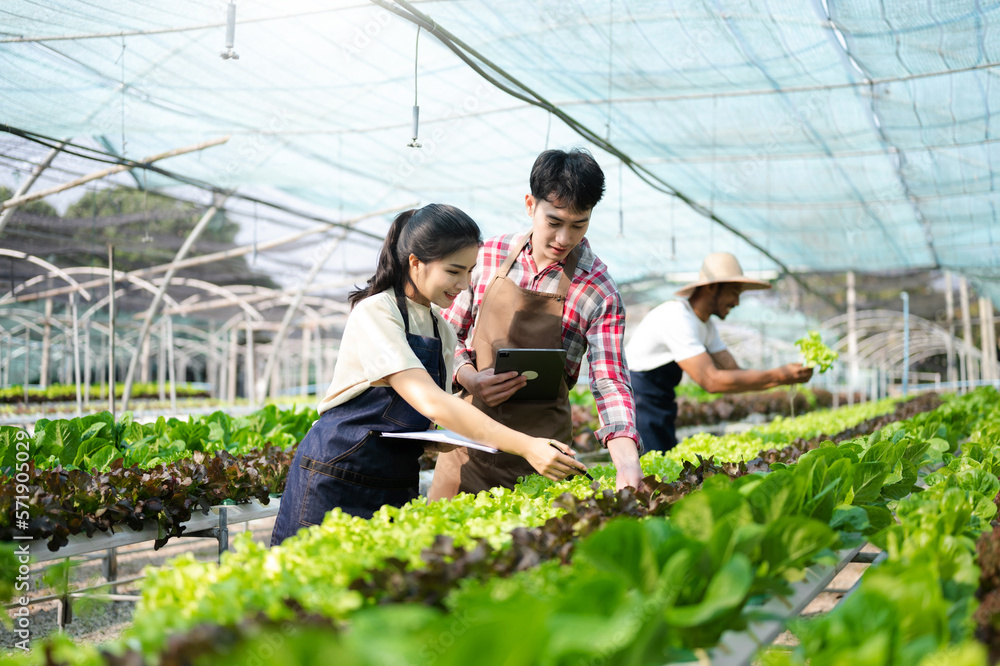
721 267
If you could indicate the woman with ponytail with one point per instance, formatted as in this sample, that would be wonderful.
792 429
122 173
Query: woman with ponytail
393 374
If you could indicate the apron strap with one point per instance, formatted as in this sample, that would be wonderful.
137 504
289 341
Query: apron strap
403 310
569 268
512 255
401 304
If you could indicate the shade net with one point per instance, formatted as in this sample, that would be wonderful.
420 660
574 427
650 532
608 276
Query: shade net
821 135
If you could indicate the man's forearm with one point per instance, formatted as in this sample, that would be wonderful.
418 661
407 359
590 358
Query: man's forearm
623 451
738 381
625 455
465 374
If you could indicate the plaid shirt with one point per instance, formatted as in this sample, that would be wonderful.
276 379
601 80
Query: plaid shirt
593 322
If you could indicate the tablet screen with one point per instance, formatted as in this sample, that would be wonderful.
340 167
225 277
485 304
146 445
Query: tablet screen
543 368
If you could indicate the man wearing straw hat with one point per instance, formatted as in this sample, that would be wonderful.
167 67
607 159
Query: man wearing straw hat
679 336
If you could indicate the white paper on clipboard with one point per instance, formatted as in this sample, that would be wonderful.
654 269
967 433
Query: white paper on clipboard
441 437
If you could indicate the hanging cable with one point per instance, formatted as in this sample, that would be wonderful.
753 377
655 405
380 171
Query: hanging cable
673 238
621 199
253 258
518 90
767 232
145 207
416 108
611 51
711 195
93 229
121 57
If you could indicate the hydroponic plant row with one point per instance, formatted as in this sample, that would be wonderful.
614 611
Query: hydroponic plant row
164 470
633 592
921 605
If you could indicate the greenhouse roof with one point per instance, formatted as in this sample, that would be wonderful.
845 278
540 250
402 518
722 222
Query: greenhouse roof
800 135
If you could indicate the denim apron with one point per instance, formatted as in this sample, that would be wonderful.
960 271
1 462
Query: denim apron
342 461
656 406
515 317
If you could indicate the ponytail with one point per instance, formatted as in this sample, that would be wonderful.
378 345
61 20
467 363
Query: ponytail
430 234
389 272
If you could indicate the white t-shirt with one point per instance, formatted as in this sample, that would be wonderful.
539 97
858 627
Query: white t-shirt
374 346
671 332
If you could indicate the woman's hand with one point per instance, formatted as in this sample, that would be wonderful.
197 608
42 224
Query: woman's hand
491 388
552 459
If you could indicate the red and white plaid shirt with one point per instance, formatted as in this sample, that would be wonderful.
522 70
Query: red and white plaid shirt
593 322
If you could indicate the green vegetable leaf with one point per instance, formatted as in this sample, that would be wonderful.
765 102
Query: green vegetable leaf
815 354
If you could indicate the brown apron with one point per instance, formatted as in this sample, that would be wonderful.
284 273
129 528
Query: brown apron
511 317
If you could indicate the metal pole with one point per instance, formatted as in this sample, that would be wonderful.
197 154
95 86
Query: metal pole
161 362
223 370
170 364
86 365
852 335
306 358
111 329
144 362
251 374
949 304
233 365
318 361
275 383
46 344
991 329
211 371
906 343
101 359
963 375
76 355
158 298
963 294
986 343
27 355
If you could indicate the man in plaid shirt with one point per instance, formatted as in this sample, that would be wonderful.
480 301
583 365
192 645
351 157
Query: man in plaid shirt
565 187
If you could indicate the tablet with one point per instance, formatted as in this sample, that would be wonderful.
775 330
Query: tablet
544 369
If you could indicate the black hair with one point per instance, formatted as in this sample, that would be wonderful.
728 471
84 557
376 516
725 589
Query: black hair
430 233
573 179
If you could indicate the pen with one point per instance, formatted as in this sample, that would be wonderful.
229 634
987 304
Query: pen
561 451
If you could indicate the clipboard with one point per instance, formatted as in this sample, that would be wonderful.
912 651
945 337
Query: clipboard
544 369
441 437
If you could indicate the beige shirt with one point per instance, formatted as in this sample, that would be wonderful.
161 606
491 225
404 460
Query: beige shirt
374 346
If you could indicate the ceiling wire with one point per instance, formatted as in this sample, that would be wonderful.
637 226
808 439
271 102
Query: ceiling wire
108 158
611 51
473 58
122 59
416 106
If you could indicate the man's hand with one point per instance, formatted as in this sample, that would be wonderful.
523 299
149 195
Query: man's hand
625 456
794 373
439 447
488 387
